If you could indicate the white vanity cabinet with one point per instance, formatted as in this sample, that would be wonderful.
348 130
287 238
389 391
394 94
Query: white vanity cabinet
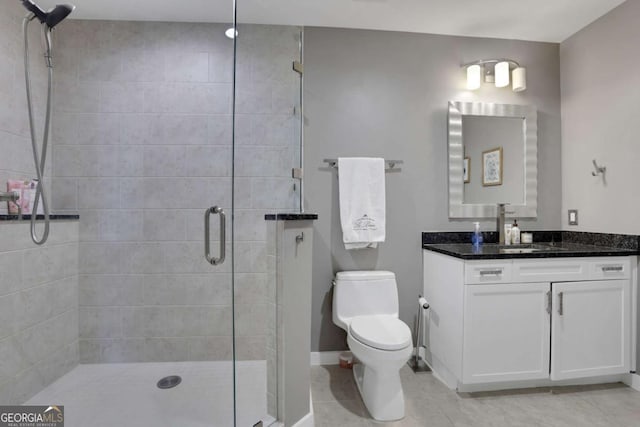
590 334
506 332
528 322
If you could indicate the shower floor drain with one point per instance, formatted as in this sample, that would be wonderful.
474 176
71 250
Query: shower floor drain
169 382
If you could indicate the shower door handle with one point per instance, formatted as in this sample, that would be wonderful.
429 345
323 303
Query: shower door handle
207 245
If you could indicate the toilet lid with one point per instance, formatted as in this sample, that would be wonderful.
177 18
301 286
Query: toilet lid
381 332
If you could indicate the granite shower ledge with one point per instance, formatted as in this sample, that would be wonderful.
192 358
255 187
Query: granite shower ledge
63 217
291 217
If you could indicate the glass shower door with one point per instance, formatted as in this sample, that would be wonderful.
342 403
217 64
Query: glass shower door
266 151
171 142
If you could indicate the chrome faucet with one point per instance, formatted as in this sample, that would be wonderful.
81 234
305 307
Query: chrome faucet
500 222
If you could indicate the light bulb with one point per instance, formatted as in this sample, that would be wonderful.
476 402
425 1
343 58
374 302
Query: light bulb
519 79
231 33
502 74
473 77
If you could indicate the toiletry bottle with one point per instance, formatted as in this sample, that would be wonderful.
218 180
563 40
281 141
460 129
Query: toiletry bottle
515 233
476 237
507 234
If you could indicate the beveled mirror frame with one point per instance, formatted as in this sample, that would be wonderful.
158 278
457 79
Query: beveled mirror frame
457 207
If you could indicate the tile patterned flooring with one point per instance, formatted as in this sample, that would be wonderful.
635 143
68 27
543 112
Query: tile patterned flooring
429 403
125 395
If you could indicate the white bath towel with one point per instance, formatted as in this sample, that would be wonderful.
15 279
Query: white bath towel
362 201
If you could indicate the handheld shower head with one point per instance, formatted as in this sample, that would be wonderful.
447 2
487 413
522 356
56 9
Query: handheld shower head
58 13
51 18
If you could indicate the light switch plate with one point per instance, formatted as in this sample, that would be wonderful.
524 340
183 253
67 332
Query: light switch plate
573 217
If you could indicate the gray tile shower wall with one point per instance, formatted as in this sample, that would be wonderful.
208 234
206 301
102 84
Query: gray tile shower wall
38 285
274 338
16 159
38 309
142 147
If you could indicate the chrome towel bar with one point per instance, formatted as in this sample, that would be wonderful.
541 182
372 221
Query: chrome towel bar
390 165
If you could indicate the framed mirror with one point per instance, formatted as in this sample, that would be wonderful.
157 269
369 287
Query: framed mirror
493 158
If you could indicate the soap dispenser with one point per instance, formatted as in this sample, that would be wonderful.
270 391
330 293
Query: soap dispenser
476 237
515 233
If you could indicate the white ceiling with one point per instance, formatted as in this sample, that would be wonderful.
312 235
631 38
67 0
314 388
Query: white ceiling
538 20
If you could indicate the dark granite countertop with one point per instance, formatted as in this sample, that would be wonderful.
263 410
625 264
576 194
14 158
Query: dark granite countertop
542 250
52 217
548 244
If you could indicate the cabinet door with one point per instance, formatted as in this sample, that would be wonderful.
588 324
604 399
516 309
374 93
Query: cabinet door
590 329
506 332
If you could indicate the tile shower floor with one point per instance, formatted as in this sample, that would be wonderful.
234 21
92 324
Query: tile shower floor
125 395
429 403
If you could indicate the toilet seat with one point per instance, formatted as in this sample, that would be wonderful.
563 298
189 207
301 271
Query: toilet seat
381 332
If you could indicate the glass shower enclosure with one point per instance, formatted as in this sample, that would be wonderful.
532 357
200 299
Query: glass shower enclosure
267 167
155 294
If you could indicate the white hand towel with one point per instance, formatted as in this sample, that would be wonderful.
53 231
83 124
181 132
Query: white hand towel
362 201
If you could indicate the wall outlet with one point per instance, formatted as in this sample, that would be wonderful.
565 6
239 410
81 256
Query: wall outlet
573 217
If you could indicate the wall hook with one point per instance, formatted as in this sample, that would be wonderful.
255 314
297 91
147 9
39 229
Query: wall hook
600 170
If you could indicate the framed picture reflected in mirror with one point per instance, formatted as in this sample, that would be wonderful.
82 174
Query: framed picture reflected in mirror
492 167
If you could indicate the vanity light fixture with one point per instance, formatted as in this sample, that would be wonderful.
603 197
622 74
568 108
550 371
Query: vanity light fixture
501 72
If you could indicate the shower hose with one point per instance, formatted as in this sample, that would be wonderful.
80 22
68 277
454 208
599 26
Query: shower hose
39 159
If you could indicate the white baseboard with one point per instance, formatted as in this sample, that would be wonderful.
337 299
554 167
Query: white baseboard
307 420
319 358
633 381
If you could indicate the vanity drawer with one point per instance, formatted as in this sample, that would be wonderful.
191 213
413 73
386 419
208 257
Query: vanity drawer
609 268
481 272
550 270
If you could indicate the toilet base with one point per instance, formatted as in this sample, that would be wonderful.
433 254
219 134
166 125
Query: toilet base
381 394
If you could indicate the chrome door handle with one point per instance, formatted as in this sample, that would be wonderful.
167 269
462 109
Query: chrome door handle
561 307
549 302
223 225
608 268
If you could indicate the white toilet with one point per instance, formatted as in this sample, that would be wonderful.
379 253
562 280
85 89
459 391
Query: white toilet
365 304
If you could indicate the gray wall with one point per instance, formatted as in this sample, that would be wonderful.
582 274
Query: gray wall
294 270
288 319
38 285
600 93
487 133
370 93
142 148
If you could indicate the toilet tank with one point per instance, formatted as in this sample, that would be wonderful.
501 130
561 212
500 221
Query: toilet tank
363 293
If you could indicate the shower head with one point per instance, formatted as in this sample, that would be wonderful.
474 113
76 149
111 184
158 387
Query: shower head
51 18
58 13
